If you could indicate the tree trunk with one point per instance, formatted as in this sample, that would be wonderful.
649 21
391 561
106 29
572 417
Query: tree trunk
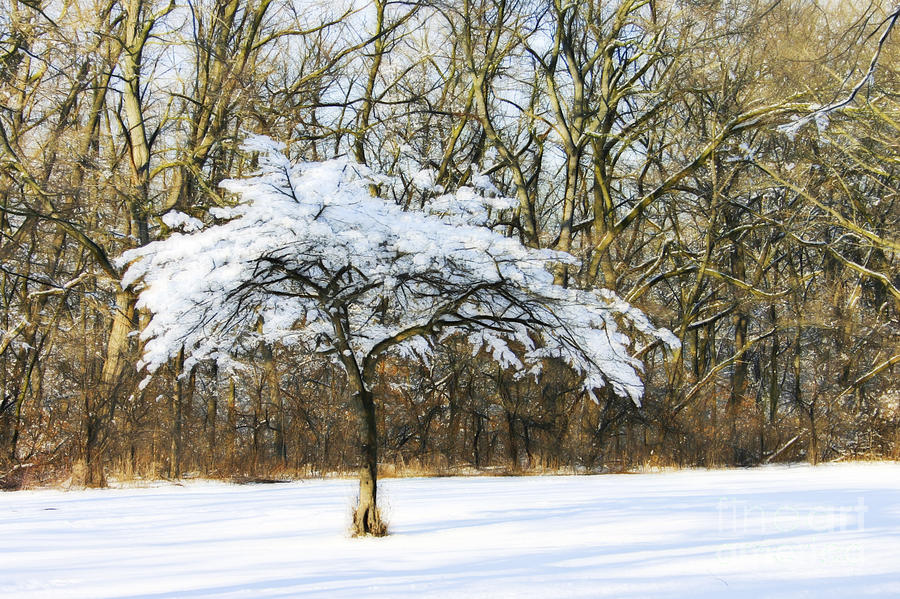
276 403
19 406
476 439
92 474
177 416
257 430
211 409
184 391
231 430
512 445
367 517
450 449
813 449
774 388
100 405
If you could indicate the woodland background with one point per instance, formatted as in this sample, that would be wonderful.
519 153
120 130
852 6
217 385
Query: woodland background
731 168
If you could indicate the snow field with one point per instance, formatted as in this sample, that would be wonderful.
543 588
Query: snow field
832 531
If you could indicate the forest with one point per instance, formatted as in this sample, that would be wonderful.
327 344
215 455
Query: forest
729 168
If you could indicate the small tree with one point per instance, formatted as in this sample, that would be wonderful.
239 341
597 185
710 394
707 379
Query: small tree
310 257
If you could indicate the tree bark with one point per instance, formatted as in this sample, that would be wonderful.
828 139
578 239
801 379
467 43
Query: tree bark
92 472
813 449
211 410
100 404
513 446
367 517
231 429
276 402
177 416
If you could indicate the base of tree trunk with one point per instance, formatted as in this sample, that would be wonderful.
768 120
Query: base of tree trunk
367 522
88 475
13 479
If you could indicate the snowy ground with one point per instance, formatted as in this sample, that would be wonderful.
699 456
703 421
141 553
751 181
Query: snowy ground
832 531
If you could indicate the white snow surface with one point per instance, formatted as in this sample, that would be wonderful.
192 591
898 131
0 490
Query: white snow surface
181 221
831 531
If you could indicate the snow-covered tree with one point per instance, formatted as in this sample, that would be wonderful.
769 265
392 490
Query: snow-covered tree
309 256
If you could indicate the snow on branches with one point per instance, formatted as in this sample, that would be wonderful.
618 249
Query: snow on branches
310 257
